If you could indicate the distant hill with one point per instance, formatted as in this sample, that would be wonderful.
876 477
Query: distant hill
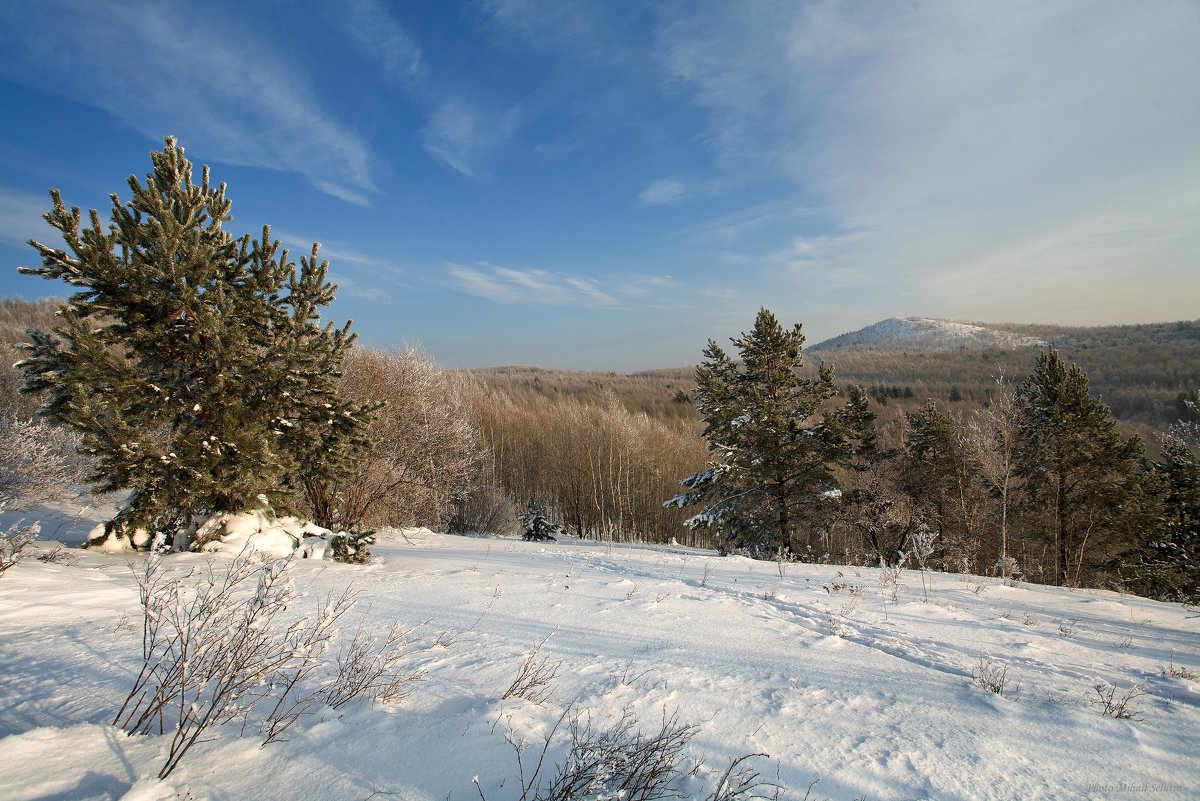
928 335
1138 370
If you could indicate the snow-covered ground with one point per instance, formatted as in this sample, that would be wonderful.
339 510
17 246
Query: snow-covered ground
813 665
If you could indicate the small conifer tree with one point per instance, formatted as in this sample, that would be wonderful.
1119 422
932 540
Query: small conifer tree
193 363
536 526
773 441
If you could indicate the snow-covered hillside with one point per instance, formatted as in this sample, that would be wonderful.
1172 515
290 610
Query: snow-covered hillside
926 334
815 666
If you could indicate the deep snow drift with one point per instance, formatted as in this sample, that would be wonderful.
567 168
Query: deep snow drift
815 666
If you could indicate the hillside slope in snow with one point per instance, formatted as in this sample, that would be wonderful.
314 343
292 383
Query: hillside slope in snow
927 334
821 667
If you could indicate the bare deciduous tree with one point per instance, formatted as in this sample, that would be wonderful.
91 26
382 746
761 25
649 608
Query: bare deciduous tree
424 447
993 435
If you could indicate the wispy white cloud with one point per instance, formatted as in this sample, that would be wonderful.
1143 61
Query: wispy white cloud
957 141
647 286
352 288
21 218
664 192
382 37
459 134
176 68
525 286
730 229
358 274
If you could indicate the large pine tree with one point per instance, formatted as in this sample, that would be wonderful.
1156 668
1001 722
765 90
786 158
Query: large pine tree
773 441
193 363
1076 467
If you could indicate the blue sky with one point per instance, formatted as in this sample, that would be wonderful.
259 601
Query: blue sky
605 185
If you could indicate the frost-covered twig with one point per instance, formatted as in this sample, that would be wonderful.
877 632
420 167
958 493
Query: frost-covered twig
13 542
533 679
212 649
373 669
741 783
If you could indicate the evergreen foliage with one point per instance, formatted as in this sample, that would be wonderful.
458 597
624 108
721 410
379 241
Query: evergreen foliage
194 364
772 441
352 547
943 478
536 527
1168 565
1076 467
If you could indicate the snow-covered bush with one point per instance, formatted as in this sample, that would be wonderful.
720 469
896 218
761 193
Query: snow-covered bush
352 547
535 525
13 542
259 529
889 578
38 461
921 548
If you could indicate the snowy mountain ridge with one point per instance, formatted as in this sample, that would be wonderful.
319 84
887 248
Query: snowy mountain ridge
927 334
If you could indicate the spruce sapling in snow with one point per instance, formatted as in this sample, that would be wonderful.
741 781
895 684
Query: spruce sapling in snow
535 525
193 364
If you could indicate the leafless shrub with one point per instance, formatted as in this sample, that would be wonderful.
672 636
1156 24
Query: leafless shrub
372 669
1062 698
781 562
1111 702
38 461
308 644
991 675
741 782
1066 627
1030 621
621 762
13 542
920 549
1179 671
837 585
215 647
889 578
533 679
707 573
447 637
629 676
57 555
207 649
483 505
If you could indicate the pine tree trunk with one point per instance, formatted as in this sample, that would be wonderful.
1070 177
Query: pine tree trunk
785 537
1060 530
